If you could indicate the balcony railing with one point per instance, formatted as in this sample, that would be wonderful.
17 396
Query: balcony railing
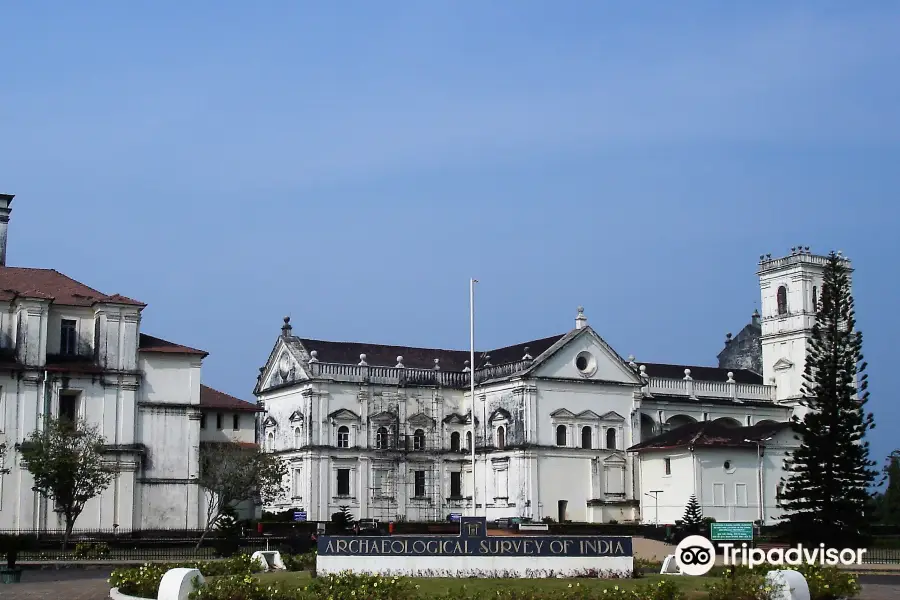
711 389
412 376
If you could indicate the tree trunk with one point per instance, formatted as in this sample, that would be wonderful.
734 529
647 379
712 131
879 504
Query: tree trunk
70 523
203 536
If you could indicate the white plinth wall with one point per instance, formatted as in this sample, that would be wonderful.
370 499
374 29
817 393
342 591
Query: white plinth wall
478 565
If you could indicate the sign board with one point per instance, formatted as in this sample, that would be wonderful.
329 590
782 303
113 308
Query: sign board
455 517
731 532
300 515
465 554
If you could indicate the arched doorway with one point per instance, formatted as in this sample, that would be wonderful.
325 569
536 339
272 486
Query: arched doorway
676 421
727 422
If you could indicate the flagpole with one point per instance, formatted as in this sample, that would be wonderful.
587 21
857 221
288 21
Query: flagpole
472 283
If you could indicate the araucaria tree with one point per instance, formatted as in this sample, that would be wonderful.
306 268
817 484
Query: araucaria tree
67 463
232 473
888 504
693 515
826 497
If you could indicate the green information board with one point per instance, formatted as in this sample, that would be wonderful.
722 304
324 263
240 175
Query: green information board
731 532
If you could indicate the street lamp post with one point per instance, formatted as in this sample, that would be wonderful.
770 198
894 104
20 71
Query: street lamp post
655 497
759 478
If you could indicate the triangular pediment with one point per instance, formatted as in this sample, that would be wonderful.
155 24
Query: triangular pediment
612 416
588 415
285 366
455 419
270 422
614 460
343 414
383 418
499 415
562 413
583 355
782 364
420 420
296 416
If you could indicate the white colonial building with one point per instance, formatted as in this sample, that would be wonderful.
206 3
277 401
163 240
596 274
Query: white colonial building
564 426
70 351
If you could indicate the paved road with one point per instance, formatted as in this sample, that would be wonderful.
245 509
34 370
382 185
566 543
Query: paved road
78 584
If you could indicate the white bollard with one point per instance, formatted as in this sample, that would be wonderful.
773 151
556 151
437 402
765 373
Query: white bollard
791 585
177 584
269 560
670 566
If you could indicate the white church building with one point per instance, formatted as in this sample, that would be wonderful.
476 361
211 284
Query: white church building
70 351
564 427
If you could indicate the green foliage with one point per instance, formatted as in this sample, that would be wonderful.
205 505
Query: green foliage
2 453
826 497
693 515
91 550
143 581
742 584
232 474
829 583
300 562
342 519
67 462
888 502
354 585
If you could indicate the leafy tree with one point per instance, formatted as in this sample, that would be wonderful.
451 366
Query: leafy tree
826 497
67 462
342 519
693 515
232 473
888 502
2 452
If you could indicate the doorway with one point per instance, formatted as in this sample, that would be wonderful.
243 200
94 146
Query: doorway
562 504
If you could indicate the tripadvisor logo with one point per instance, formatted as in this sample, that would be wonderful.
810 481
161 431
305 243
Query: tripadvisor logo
696 555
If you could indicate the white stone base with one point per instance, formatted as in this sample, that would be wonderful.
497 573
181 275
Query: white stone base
792 584
479 566
177 584
268 560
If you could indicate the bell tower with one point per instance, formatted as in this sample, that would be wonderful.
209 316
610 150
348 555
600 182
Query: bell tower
790 287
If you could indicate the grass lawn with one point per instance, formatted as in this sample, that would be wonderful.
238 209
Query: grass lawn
693 586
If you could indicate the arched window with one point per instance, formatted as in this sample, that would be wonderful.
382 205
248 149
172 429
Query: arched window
501 437
611 439
815 299
454 441
586 437
468 440
381 438
419 440
298 437
270 441
782 300
560 435
343 440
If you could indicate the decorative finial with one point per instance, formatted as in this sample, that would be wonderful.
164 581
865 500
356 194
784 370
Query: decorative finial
437 367
807 249
314 356
466 367
793 250
687 374
362 360
762 257
286 328
769 256
527 356
580 320
730 377
399 364
487 360
643 370
840 252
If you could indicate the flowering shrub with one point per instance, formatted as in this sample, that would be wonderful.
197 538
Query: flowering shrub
144 581
300 562
91 550
246 587
360 587
829 583
744 584
662 590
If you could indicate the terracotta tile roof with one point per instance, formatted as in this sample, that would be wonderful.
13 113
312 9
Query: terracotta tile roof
700 373
381 355
50 284
210 398
709 434
148 343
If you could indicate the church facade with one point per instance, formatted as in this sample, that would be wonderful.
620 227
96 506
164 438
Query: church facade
558 423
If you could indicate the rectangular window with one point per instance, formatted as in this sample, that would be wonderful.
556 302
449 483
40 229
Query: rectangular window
67 337
377 482
501 483
236 422
719 494
219 421
740 494
749 420
298 478
343 482
202 420
419 484
68 407
668 465
455 484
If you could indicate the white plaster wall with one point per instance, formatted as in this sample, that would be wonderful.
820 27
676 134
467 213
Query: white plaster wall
676 488
170 378
245 433
467 566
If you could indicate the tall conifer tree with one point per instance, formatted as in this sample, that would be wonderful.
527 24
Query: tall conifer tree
693 515
826 497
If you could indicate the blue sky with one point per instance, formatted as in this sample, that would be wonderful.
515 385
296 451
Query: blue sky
353 164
